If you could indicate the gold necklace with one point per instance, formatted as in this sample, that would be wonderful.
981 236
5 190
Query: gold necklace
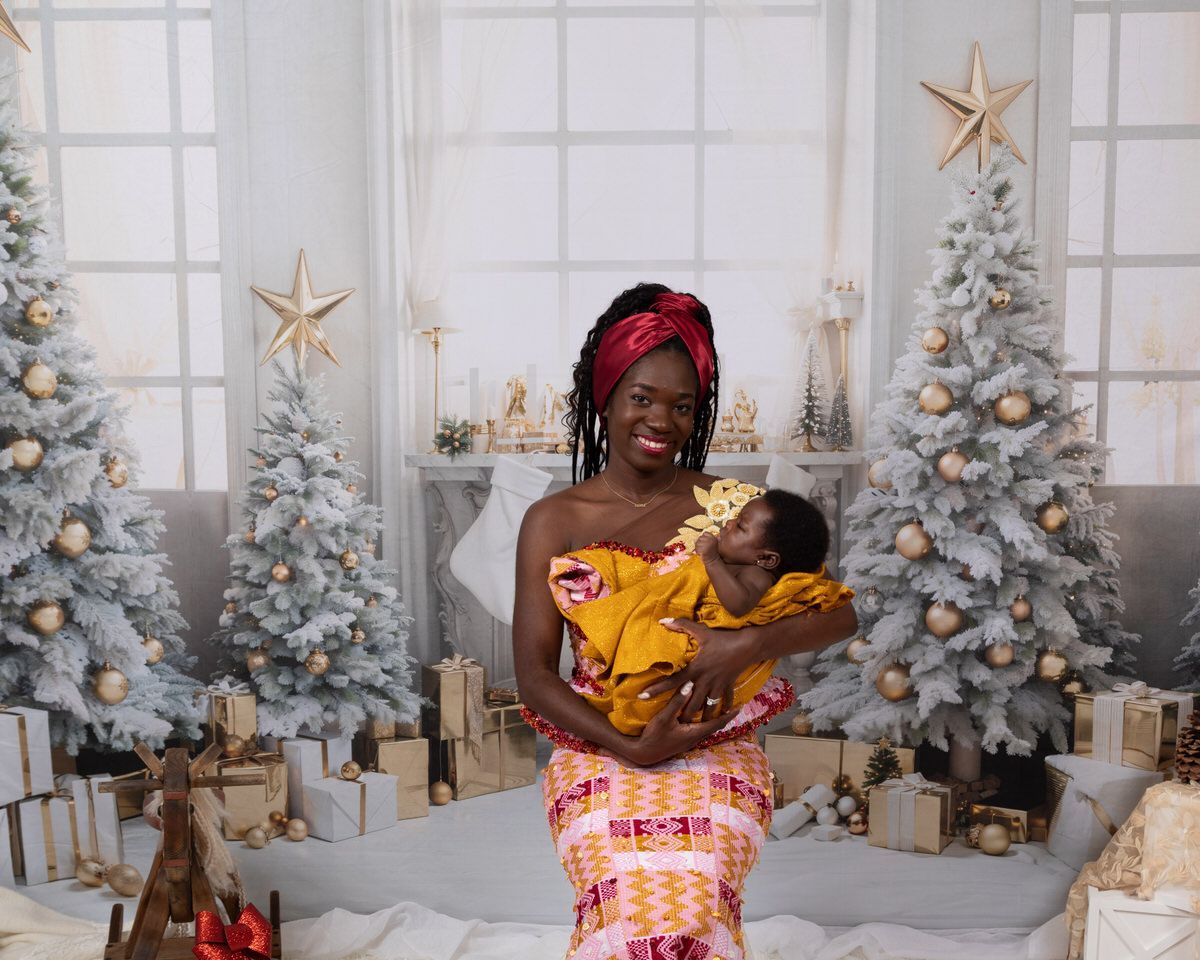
634 502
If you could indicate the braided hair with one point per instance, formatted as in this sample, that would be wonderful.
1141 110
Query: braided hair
588 433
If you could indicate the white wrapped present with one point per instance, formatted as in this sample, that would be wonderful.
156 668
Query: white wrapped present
48 842
1120 925
24 753
310 759
337 809
6 850
97 821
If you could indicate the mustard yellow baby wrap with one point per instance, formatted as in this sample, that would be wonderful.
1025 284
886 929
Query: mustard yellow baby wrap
616 597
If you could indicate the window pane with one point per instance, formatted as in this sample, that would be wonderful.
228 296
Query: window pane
112 76
760 74
509 208
1085 218
155 429
132 321
1155 322
591 292
208 434
1089 81
200 203
1160 72
1082 318
500 75
1152 428
1158 205
32 80
631 203
196 76
117 203
206 354
631 74
758 202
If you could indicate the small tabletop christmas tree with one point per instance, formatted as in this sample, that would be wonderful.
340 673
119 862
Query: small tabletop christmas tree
808 417
883 764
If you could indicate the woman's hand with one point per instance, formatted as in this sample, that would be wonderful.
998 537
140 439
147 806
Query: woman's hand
721 657
668 734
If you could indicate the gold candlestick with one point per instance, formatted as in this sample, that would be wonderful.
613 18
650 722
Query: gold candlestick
435 335
491 435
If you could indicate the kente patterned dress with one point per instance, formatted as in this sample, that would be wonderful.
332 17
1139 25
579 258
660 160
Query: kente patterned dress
658 856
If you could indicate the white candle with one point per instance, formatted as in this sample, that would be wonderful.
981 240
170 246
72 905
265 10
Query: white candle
474 403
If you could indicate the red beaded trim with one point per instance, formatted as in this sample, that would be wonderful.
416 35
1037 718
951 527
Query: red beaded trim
650 556
556 734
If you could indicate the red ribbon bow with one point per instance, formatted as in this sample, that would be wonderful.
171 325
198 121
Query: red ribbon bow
247 939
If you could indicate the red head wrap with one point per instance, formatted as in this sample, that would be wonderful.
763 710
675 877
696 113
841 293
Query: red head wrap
628 340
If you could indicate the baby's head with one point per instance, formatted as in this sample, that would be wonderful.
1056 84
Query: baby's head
780 532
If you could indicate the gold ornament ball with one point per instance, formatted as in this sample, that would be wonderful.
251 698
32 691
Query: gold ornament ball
440 793
1051 665
912 542
338 456
999 655
935 398
117 473
256 660
90 873
944 619
277 818
233 745
802 725
358 635
351 770
857 824
1052 517
27 453
271 493
876 478
260 461
1021 609
296 830
46 617
125 880
39 381
12 215
372 602
1000 300
256 838
304 435
248 536
1073 683
351 488
317 662
994 839
1013 408
231 607
73 538
154 648
111 686
348 560
951 465
856 650
38 313
302 521
281 572
935 340
894 683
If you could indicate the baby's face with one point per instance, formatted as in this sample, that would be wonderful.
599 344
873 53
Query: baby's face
743 538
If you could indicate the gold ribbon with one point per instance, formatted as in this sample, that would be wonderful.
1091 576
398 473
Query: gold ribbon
92 837
48 833
324 758
362 808
23 746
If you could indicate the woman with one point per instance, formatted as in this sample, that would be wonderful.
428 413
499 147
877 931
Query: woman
657 832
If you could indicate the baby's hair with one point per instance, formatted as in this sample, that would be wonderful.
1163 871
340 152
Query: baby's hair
797 531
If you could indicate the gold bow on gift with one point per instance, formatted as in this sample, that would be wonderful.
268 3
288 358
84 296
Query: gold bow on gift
456 662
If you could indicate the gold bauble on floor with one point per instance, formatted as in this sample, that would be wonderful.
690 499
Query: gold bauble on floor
256 838
1013 408
935 398
351 770
1021 609
856 823
894 683
440 793
1000 300
90 873
296 830
117 473
994 839
110 685
999 654
912 542
876 478
1051 665
802 725
1052 517
73 538
944 619
38 313
935 340
951 465
27 453
46 617
317 662
233 745
281 572
125 880
348 560
154 649
856 650
39 381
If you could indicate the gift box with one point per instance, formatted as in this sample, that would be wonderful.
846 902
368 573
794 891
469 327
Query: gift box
455 687
801 762
232 709
47 841
1133 724
25 767
337 809
7 842
129 802
1039 824
97 822
910 813
504 761
408 761
310 759
1015 819
251 804
1121 925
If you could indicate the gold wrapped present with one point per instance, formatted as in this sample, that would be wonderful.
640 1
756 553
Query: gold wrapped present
129 802
376 729
802 762
1039 824
1016 820
502 695
1133 725
232 709
456 688
910 813
408 761
250 805
504 761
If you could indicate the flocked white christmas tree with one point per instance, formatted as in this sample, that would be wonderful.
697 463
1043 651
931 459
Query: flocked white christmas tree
808 406
984 570
1188 661
839 432
90 622
310 614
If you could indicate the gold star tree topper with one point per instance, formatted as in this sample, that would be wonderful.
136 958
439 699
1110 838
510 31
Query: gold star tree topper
300 316
978 110
9 29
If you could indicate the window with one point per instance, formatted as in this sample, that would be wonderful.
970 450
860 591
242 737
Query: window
1133 250
122 91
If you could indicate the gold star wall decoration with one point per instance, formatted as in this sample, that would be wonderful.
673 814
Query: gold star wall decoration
978 109
300 315
9 29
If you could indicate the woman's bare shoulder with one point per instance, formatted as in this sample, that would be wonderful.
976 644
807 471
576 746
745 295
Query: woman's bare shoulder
562 510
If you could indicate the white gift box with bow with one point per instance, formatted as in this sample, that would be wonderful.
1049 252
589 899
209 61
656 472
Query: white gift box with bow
337 809
310 759
24 753
96 820
48 839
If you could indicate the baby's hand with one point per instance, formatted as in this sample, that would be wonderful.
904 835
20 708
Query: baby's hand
706 547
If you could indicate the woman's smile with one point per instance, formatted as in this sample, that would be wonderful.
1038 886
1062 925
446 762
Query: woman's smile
653 445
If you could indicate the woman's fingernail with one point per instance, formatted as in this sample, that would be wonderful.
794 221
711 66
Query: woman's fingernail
643 695
667 620
686 689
